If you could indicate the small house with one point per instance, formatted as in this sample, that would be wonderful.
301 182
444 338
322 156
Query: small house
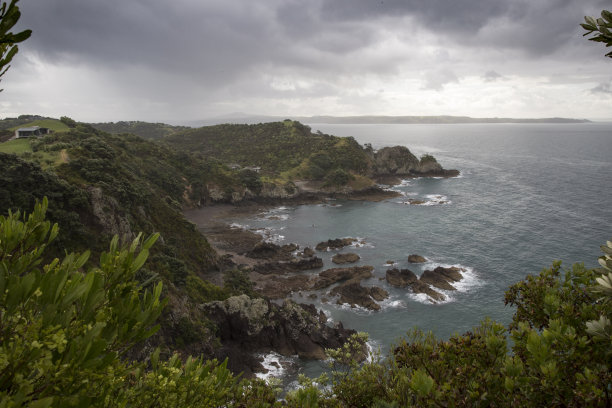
31 131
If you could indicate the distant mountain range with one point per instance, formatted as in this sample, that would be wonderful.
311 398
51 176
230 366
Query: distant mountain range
373 119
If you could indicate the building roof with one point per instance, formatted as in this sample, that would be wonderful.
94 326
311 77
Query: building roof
29 129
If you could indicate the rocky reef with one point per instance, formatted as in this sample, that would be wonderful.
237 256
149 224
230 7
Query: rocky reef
246 326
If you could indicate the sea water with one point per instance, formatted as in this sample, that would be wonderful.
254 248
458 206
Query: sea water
528 194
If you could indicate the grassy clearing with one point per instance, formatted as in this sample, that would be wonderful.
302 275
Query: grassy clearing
53 124
17 146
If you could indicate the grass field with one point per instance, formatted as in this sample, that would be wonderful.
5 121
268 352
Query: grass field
17 146
53 124
22 148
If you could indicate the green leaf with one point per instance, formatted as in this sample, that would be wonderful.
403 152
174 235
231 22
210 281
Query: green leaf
421 383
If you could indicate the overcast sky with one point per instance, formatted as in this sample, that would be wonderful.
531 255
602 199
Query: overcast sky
171 61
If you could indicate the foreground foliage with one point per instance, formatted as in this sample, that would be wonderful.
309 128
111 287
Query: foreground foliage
64 331
559 354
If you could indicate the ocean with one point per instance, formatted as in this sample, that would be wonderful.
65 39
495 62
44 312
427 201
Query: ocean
528 194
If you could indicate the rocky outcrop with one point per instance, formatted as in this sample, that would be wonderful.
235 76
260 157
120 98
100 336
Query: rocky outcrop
337 243
399 161
421 287
406 278
400 278
279 287
416 259
307 253
270 251
247 325
109 214
293 265
442 277
353 294
354 274
345 258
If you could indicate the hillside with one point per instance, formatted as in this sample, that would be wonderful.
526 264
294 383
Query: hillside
146 130
289 151
124 185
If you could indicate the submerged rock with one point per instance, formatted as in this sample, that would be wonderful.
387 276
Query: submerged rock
345 258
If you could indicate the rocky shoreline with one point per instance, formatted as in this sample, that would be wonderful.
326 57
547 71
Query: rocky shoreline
279 271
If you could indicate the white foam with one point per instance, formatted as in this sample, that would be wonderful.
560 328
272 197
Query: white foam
235 225
361 243
430 199
275 364
269 234
470 278
391 303
469 282
390 265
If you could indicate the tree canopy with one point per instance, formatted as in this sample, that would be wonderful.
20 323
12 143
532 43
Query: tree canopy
600 29
9 16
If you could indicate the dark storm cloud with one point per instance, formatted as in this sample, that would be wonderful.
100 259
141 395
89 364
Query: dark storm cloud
222 38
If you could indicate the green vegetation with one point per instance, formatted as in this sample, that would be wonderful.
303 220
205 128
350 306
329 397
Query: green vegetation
17 146
559 354
101 185
52 124
9 16
67 328
65 331
153 131
284 151
600 28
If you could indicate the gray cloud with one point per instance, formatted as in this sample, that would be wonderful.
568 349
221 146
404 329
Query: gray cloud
491 76
437 79
603 88
219 53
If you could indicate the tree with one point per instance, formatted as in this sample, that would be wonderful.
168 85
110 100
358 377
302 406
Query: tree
600 27
64 331
9 16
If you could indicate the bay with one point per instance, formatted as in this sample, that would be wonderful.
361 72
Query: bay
528 194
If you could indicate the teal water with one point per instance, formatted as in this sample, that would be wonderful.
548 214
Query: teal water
527 195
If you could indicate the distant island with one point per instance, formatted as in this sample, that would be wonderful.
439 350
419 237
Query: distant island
241 117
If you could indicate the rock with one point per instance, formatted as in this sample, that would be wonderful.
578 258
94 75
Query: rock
337 243
246 325
396 160
453 273
354 294
307 253
399 161
270 251
276 287
442 277
330 276
390 262
416 259
435 279
421 287
400 279
345 258
414 201
284 267
378 293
